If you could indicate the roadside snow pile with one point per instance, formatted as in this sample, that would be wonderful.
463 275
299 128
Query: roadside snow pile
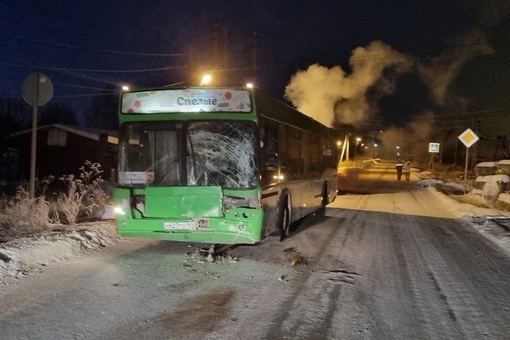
449 187
490 187
21 256
429 182
504 197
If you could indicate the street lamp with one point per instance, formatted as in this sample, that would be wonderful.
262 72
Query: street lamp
206 79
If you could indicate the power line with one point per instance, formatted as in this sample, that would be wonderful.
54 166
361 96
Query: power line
119 71
95 49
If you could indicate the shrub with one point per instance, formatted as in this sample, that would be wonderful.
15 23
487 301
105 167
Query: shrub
83 195
22 215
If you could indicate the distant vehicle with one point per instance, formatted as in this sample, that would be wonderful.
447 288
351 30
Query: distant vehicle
218 165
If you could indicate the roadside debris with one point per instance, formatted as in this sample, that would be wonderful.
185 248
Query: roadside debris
294 258
212 254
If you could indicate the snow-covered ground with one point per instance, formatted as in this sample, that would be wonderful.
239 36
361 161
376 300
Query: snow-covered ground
492 223
25 256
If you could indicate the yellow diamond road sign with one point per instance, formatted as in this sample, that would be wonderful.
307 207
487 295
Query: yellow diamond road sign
468 137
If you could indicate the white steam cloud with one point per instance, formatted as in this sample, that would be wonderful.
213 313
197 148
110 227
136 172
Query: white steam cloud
439 72
332 94
329 94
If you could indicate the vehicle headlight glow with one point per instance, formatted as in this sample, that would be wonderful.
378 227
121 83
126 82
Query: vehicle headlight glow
122 207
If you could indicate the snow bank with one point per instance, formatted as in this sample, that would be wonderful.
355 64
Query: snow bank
430 182
504 197
487 164
21 256
504 166
497 178
486 168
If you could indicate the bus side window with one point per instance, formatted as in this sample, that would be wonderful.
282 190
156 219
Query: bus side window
269 152
271 144
296 168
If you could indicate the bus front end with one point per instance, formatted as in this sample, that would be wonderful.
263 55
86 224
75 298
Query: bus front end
193 181
203 214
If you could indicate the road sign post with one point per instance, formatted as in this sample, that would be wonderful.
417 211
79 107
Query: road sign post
36 90
468 138
433 149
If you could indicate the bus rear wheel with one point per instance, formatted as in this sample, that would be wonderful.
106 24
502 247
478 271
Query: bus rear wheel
284 217
325 195
324 200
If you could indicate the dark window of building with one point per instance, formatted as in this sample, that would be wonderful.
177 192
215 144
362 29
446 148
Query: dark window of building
57 137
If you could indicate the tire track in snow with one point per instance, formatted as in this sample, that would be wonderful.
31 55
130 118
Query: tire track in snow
467 299
291 322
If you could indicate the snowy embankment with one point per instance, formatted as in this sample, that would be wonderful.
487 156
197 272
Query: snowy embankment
492 223
24 256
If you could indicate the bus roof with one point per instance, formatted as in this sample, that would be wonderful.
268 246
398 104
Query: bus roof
215 100
277 110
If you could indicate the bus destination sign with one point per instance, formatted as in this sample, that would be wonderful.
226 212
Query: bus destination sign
186 100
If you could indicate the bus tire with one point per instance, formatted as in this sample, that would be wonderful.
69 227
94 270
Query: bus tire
325 195
324 200
284 217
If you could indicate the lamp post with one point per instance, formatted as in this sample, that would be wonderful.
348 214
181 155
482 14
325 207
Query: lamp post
358 140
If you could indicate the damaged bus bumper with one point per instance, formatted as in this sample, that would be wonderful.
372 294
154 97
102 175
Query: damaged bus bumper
169 214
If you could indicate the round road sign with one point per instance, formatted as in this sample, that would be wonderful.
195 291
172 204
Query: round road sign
37 83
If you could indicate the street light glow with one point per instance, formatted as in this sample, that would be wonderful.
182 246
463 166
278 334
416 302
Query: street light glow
206 79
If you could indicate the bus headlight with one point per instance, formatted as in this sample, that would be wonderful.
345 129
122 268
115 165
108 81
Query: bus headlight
230 202
121 208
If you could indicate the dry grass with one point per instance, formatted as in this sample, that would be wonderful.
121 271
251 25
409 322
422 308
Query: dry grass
22 216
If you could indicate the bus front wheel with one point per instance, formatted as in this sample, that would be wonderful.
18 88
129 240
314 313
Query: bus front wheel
284 217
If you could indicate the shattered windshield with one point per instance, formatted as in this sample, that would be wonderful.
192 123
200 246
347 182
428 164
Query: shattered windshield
220 153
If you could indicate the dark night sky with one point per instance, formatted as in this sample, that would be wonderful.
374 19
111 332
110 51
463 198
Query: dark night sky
451 56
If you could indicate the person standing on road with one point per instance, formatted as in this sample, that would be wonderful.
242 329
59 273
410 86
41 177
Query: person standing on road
399 167
407 170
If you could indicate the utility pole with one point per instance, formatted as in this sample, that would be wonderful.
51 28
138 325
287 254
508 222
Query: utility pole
255 37
225 54
191 68
215 43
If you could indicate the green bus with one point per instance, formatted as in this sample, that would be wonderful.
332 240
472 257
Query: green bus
218 165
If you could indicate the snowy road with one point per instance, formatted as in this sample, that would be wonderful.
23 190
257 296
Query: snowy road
390 260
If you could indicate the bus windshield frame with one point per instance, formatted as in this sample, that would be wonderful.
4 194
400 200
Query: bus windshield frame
189 153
